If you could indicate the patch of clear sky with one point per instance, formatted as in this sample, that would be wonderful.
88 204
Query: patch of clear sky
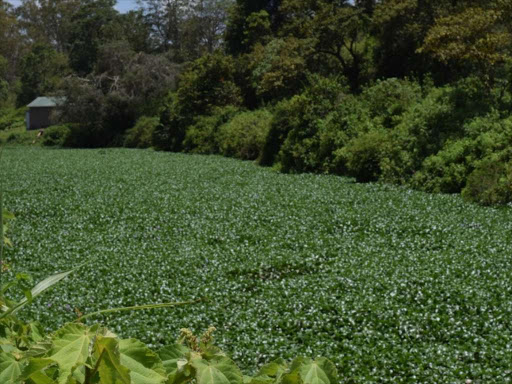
122 5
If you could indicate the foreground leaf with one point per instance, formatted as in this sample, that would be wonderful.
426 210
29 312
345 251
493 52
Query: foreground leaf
319 371
35 368
145 366
10 368
219 370
110 369
170 356
71 349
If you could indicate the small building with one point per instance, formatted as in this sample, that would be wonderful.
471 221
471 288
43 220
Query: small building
42 112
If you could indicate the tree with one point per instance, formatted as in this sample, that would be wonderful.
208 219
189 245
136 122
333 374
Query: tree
48 21
335 28
4 85
12 42
208 83
89 31
185 29
41 71
278 69
164 19
474 36
400 27
132 28
239 22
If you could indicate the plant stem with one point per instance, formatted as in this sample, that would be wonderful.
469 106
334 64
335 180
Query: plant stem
90 374
136 308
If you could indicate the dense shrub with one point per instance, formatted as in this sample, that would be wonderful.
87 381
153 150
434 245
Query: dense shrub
374 156
55 135
350 118
202 136
491 182
448 170
426 125
388 99
243 136
11 118
140 135
279 68
207 84
292 140
19 136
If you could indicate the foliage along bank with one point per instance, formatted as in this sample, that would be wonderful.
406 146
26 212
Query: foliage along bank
407 92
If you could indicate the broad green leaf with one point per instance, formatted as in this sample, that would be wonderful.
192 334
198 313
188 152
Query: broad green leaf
39 349
259 380
319 371
10 368
219 370
70 349
35 366
271 372
145 366
40 378
170 356
293 374
110 369
36 332
275 368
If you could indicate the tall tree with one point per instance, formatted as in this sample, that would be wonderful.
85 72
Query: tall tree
90 26
48 21
41 72
186 29
476 37
238 23
12 42
335 29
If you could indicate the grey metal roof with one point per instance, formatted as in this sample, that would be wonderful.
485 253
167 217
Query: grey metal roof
46 102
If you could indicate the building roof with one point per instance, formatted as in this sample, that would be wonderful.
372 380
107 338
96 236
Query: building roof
47 102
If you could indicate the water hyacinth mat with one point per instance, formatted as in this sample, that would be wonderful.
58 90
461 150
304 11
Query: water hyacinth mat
394 286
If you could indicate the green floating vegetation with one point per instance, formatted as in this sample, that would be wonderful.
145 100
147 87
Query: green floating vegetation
392 285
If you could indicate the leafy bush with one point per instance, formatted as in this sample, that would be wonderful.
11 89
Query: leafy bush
292 140
373 156
448 170
19 136
92 355
11 118
349 119
55 135
243 136
207 84
388 99
491 182
202 136
426 125
279 68
140 135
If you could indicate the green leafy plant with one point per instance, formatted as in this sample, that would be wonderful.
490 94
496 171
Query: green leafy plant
139 136
56 135
243 136
77 353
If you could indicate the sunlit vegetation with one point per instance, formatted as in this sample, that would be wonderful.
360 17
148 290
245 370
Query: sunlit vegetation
394 286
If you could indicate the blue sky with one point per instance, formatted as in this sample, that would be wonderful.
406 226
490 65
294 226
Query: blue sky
121 6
